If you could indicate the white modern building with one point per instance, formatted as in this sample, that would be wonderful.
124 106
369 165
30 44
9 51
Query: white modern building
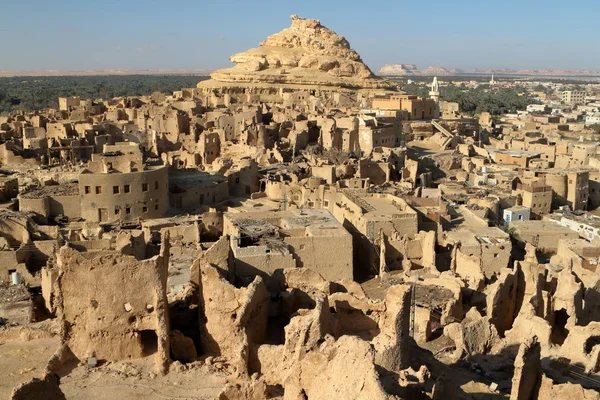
516 213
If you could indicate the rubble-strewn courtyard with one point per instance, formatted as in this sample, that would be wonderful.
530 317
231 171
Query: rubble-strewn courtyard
298 228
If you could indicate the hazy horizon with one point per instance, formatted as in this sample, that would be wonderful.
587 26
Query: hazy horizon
191 35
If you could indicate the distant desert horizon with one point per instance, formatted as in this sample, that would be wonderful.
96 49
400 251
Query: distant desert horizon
103 72
386 70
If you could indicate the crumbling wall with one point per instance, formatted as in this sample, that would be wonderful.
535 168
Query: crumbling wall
344 369
231 319
475 335
502 299
131 243
468 268
568 296
582 346
453 309
419 249
528 324
549 390
113 306
220 256
392 343
528 371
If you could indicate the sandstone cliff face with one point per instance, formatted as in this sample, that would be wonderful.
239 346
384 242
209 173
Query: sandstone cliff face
398 69
306 53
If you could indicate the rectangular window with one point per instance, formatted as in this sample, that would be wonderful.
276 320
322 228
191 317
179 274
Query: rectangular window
88 189
144 187
145 209
117 210
156 206
115 190
155 185
98 189
126 189
127 210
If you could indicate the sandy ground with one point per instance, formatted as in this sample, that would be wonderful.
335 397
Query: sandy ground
136 380
23 360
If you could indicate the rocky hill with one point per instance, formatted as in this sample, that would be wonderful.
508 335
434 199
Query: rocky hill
398 69
411 70
306 53
437 71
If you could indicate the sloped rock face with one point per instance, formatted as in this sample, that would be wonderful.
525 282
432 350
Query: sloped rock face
306 53
398 69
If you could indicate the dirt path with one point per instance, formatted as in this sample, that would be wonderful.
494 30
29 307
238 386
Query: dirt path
23 360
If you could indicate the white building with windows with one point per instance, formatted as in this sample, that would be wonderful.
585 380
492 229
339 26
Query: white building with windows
516 213
592 119
587 227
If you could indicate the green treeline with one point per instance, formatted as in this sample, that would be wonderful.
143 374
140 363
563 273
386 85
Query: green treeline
480 99
40 92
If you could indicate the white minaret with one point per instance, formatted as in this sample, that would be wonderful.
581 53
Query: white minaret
435 90
492 82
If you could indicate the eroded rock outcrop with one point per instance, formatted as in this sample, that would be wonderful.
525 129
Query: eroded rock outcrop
306 53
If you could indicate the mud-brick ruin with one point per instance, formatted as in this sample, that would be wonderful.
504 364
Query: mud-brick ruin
294 228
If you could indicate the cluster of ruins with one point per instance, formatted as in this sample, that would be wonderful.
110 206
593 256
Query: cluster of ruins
305 230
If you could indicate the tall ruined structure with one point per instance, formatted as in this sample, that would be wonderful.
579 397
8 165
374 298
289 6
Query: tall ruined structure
305 54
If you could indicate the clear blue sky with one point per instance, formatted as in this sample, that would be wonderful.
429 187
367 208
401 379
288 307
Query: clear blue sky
172 34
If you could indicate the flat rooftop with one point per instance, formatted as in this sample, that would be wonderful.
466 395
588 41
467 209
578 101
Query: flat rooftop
317 223
478 235
193 178
540 226
379 205
70 189
516 153
517 208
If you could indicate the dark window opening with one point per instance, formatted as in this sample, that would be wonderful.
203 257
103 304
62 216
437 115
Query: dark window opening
559 332
148 341
592 342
